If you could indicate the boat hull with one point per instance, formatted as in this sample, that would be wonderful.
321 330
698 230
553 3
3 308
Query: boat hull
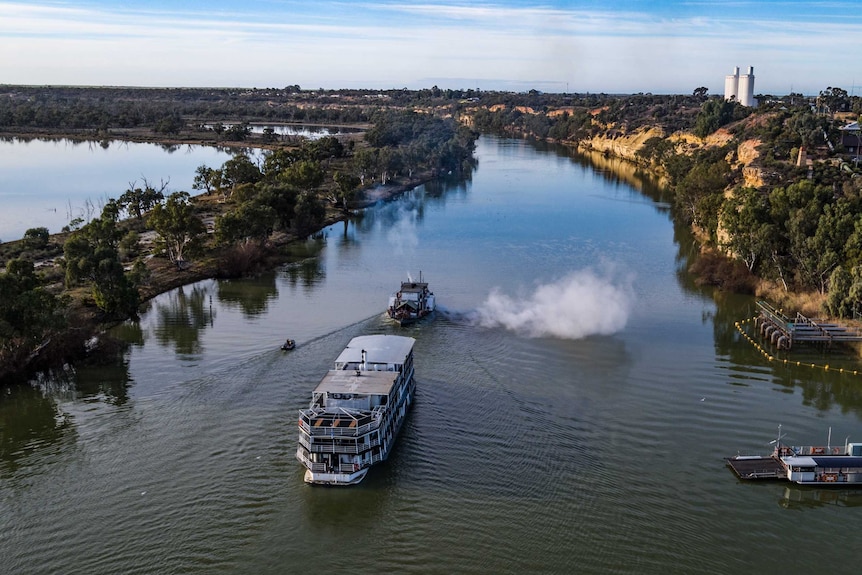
318 478
403 321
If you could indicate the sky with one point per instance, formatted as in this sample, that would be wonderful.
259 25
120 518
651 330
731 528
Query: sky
628 46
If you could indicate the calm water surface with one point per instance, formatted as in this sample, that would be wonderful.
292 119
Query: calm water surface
47 183
576 396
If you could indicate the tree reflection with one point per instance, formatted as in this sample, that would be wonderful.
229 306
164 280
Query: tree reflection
251 296
182 316
29 420
308 273
106 376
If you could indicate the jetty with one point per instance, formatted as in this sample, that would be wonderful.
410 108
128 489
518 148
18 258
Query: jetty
783 331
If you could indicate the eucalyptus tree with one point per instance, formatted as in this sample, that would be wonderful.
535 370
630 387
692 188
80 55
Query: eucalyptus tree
91 256
250 222
309 212
139 200
30 314
744 219
240 170
181 232
207 179
347 184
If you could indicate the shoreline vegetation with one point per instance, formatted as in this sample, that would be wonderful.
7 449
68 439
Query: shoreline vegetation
772 193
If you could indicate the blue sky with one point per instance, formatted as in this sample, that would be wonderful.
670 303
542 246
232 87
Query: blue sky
659 46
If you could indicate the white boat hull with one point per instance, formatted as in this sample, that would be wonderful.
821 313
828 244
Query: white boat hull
319 478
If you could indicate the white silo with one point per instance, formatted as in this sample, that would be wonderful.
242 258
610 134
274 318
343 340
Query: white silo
731 85
745 93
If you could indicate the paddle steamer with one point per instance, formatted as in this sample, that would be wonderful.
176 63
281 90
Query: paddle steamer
412 302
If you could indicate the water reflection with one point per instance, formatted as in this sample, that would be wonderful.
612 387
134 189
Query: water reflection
182 315
107 379
30 420
251 296
307 273
801 498
48 182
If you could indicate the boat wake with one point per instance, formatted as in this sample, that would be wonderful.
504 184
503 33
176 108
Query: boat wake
581 304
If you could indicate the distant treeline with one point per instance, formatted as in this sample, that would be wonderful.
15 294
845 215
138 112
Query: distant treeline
103 108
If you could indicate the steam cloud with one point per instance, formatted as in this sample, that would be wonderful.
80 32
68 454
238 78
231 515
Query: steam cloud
402 235
576 306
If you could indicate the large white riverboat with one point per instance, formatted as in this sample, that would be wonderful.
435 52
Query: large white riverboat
822 466
357 410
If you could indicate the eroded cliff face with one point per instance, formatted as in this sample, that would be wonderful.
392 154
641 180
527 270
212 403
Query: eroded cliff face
623 146
626 146
746 156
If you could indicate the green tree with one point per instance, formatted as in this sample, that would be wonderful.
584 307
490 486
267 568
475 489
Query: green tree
240 170
207 179
282 199
277 161
745 219
309 212
181 232
36 238
696 193
251 221
838 303
91 255
171 124
715 113
29 314
238 132
347 186
136 201
304 174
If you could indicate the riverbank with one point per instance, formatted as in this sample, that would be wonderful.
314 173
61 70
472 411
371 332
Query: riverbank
88 327
712 267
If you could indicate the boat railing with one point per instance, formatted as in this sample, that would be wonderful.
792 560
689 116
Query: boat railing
320 425
313 466
816 450
327 447
329 431
316 467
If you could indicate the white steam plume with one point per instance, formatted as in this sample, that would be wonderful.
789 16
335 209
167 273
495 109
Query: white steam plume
576 306
402 235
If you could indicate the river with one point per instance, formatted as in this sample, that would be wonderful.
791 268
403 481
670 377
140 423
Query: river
576 396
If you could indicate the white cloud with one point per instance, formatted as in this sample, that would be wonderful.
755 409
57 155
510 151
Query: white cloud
396 45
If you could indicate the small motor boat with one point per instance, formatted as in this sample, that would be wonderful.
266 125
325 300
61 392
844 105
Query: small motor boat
288 345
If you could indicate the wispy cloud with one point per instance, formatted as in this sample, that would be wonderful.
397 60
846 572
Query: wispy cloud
341 44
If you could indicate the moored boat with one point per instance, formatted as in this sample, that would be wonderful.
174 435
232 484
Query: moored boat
805 465
412 302
357 410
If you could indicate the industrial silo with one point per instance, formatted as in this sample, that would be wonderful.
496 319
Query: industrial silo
745 88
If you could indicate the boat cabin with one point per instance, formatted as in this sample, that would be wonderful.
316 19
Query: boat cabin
364 379
824 469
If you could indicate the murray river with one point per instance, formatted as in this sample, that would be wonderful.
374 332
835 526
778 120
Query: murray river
576 396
